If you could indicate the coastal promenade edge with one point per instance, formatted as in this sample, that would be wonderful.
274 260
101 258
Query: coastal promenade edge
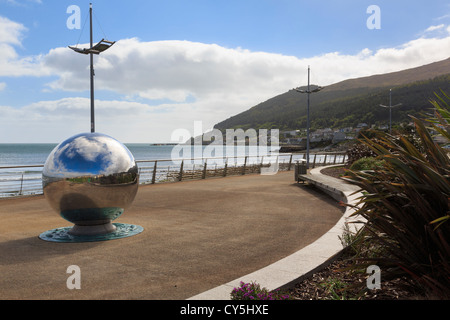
312 258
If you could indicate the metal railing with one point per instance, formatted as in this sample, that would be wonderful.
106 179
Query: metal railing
27 179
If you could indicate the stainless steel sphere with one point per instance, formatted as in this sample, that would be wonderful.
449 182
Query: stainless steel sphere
90 179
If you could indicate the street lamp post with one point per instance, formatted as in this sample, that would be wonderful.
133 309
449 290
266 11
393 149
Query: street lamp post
308 91
390 110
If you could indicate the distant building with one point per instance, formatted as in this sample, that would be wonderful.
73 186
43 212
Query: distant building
362 125
291 133
339 136
346 129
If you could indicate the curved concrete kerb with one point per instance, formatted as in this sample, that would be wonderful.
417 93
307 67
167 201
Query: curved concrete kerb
306 261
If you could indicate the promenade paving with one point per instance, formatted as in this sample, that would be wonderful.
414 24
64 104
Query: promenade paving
197 235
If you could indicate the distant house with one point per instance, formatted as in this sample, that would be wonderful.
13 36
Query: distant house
290 133
339 136
316 138
316 135
361 126
346 129
323 131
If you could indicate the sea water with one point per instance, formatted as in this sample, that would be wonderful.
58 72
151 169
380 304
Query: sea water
23 154
21 163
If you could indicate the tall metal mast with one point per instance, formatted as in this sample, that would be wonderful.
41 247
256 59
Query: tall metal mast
99 47
92 73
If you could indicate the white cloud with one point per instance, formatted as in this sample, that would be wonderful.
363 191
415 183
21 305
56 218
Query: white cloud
437 31
445 16
10 31
173 70
11 65
56 120
176 70
196 81
433 28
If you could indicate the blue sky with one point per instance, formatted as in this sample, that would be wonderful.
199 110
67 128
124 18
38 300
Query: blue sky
176 62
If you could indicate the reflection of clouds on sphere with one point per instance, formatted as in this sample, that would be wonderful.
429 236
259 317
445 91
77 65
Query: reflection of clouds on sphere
90 179
87 154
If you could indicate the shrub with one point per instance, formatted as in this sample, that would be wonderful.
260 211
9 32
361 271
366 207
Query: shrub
253 291
337 289
358 151
406 205
367 163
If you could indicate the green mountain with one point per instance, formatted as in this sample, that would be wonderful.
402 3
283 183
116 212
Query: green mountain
349 102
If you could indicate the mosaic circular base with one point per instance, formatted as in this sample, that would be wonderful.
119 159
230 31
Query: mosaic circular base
123 230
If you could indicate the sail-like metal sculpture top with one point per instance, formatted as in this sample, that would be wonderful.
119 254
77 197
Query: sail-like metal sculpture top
101 46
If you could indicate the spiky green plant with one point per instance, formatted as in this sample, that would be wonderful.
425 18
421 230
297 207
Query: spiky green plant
441 120
406 205
441 124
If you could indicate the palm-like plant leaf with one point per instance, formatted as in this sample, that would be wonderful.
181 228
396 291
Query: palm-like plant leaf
406 206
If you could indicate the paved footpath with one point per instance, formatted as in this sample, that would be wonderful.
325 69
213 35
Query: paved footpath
197 235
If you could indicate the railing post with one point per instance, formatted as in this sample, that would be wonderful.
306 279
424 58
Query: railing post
290 162
21 185
180 176
204 170
245 164
154 173
314 162
325 160
225 168
334 161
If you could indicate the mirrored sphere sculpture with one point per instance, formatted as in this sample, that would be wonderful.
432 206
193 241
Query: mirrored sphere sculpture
90 179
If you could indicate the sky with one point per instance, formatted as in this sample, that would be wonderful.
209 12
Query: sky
178 63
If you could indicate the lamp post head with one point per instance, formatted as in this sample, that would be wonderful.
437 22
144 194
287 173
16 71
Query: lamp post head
308 91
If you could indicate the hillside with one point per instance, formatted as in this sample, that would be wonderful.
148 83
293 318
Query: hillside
350 102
